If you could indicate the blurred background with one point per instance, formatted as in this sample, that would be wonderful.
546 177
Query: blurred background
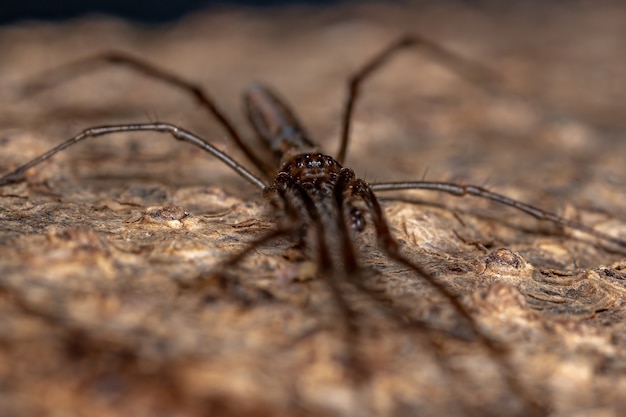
141 11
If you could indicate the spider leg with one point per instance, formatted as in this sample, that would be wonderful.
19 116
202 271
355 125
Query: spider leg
346 180
73 70
176 132
388 244
399 314
465 68
474 190
328 271
342 185
353 271
391 247
345 183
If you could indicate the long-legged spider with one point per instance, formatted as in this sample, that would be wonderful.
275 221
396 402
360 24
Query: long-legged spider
314 190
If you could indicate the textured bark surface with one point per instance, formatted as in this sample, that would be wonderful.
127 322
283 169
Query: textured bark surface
101 247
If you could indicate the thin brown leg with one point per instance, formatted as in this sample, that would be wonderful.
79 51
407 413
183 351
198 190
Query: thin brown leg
73 70
399 314
474 190
288 189
176 132
465 68
392 249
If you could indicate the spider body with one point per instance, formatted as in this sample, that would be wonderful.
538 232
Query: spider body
275 124
301 165
316 173
281 134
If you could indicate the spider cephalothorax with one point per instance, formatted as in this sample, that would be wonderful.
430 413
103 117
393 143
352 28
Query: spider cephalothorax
314 171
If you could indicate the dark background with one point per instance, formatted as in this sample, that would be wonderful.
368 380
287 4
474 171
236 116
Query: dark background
142 11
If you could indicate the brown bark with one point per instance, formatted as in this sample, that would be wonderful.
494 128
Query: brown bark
101 246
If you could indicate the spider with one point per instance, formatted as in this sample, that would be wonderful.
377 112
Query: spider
315 191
